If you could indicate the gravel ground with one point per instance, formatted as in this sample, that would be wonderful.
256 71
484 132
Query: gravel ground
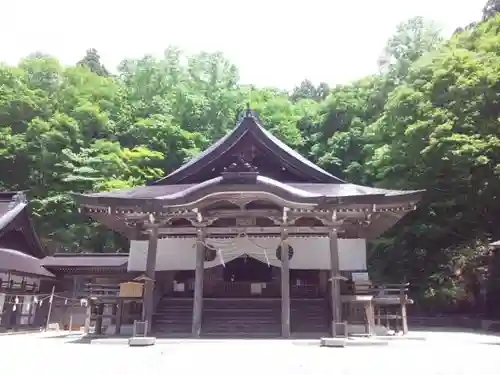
441 353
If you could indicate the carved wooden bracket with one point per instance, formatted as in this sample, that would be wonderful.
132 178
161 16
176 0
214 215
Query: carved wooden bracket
201 224
240 171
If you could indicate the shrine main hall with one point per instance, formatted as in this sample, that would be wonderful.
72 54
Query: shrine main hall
249 237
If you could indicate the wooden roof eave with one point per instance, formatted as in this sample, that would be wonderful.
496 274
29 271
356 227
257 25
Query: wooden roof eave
43 275
95 270
190 197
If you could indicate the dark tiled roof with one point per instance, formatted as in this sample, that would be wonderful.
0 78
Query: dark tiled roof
16 261
328 186
249 124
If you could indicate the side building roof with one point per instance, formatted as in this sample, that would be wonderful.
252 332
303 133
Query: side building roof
16 227
85 263
20 248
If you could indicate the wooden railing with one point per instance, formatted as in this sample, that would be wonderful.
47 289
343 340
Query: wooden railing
389 301
392 290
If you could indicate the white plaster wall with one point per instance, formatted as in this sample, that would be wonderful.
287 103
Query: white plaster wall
309 252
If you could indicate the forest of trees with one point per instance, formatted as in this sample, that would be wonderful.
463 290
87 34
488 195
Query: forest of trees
429 119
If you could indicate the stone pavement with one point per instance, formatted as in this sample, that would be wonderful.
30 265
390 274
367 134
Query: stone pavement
441 353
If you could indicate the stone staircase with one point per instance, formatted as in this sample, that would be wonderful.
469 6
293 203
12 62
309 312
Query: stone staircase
173 317
309 317
241 317
245 318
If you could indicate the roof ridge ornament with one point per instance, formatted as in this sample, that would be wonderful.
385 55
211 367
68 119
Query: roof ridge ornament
18 198
250 114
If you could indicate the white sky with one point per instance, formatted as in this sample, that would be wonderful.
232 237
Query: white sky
273 42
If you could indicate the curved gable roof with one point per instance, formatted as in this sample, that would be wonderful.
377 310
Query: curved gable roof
16 228
249 124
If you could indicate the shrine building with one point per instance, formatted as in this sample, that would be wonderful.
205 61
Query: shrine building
247 238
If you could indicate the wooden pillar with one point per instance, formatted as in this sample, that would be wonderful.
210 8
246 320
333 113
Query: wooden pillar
334 278
88 315
31 312
72 304
198 284
118 317
285 286
149 283
370 317
402 301
98 322
7 313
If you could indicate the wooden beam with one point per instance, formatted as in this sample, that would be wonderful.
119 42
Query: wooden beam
248 230
231 213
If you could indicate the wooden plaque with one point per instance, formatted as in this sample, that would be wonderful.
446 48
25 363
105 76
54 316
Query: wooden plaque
131 289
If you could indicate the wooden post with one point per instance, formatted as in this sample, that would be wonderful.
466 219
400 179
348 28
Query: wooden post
51 301
402 300
285 286
72 306
118 317
88 314
149 283
31 318
370 317
99 318
334 278
198 284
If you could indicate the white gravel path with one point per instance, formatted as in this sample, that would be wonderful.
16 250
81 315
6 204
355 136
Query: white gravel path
441 353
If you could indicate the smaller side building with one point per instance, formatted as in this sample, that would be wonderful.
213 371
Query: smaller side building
22 277
33 283
83 274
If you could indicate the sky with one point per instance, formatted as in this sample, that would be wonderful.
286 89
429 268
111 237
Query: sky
272 42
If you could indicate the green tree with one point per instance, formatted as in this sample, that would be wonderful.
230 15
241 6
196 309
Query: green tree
92 61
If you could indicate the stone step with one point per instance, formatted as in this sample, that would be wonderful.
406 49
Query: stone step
240 321
186 331
255 335
237 309
240 327
172 321
243 314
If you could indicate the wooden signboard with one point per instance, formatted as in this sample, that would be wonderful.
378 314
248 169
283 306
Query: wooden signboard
131 289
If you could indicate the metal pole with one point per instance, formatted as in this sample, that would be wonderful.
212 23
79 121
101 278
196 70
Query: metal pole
50 306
